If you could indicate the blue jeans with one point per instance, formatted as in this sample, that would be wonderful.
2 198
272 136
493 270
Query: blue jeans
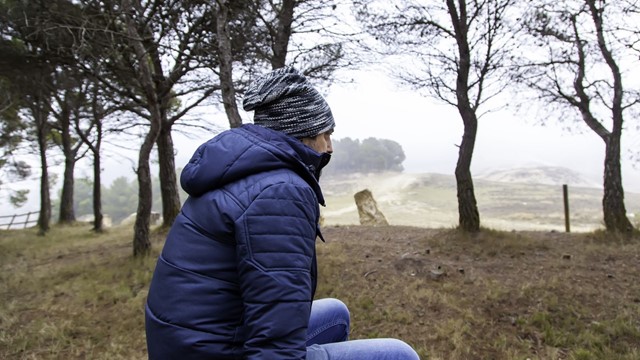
328 333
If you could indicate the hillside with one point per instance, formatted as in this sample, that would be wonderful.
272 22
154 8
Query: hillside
541 175
517 199
546 295
496 295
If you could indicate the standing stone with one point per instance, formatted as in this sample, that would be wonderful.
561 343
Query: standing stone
368 209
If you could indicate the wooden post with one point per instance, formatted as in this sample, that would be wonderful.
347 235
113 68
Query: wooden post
11 222
27 221
565 192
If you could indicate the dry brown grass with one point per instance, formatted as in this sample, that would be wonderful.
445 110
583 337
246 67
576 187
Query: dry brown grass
502 295
72 294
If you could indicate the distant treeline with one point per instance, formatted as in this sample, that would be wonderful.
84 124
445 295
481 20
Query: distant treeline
366 156
120 198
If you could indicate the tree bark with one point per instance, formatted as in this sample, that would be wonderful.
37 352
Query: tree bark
469 217
98 225
67 214
168 179
97 194
45 198
226 66
98 114
141 242
615 213
282 34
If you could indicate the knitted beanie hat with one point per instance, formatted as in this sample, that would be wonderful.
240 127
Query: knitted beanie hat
285 101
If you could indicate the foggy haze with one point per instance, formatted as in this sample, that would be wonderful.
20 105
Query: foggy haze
373 106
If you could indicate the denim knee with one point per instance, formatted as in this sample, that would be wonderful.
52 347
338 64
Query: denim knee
329 322
403 350
365 349
340 310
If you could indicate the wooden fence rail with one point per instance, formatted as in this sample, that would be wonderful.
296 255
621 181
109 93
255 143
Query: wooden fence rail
19 219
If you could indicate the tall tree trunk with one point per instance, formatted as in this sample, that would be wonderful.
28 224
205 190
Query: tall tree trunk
615 213
282 34
98 217
141 242
98 115
226 67
67 213
468 215
168 178
45 198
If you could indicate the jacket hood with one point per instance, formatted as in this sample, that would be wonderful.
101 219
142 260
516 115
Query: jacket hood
247 150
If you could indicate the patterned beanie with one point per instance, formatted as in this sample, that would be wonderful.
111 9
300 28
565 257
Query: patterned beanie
285 101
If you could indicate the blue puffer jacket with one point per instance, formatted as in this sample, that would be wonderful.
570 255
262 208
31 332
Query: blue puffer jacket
237 274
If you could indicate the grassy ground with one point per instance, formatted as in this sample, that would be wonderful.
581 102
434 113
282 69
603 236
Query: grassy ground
72 295
498 295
